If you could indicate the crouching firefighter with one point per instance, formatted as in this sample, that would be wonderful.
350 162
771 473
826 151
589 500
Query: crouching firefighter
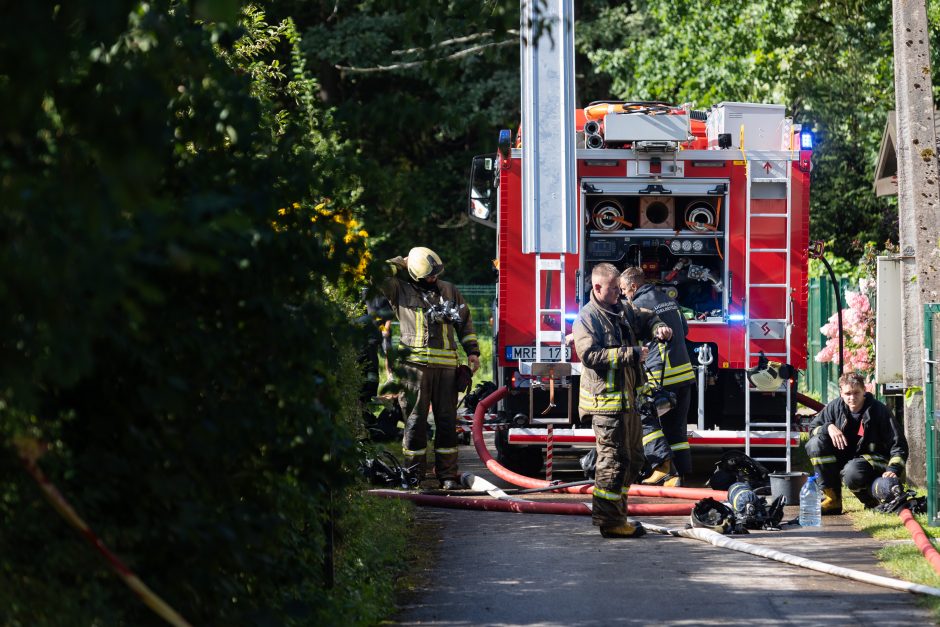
855 435
607 338
431 314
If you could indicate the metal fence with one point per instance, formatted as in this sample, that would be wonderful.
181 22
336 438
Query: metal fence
821 380
932 400
480 299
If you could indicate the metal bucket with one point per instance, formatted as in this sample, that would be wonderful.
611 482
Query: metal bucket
787 484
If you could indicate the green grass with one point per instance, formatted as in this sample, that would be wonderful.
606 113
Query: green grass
903 561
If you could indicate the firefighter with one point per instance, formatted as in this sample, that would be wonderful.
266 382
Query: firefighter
432 314
607 338
857 435
667 448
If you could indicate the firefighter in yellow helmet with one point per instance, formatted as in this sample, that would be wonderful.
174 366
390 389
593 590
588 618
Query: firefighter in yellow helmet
433 317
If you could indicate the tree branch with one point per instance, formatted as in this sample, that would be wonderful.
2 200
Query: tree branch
449 42
412 64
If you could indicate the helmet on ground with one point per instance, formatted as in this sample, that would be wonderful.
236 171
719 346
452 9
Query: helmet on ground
423 262
886 488
711 514
768 375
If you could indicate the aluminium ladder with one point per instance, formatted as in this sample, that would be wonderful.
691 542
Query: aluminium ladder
767 294
557 368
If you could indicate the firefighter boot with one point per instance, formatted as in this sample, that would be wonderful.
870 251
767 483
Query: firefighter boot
661 473
831 502
866 498
626 530
675 481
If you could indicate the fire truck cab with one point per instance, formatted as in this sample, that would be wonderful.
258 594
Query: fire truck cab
712 205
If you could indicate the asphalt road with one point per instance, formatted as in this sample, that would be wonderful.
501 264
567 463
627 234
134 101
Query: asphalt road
493 568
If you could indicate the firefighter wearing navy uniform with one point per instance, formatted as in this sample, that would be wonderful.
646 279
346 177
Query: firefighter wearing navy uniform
857 435
666 441
432 316
607 338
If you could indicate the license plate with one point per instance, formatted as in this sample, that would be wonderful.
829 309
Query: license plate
527 353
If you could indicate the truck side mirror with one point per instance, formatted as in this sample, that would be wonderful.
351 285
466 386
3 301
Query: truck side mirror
484 179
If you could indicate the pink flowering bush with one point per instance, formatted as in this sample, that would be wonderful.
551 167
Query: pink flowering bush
858 333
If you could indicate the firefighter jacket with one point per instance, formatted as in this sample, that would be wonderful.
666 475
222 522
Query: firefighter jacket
606 339
673 355
424 340
881 442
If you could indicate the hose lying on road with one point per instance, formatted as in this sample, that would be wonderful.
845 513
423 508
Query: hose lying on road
920 539
719 540
554 487
505 474
520 506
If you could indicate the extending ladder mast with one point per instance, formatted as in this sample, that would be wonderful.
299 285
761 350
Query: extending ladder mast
549 203
768 214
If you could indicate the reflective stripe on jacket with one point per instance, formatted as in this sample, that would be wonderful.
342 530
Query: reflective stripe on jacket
673 353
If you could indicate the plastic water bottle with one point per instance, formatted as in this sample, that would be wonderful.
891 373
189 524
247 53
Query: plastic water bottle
810 504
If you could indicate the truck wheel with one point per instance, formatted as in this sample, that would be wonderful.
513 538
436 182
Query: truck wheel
524 460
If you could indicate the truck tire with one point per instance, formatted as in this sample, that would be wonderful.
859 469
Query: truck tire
524 460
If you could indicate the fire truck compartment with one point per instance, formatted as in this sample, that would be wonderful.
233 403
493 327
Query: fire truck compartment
673 230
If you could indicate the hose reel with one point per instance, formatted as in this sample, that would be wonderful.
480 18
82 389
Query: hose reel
700 216
607 215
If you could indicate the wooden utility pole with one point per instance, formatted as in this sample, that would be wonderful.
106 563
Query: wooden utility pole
918 210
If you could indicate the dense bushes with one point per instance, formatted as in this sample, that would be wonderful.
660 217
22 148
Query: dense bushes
176 232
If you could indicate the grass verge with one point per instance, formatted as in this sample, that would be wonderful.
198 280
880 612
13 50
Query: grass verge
899 556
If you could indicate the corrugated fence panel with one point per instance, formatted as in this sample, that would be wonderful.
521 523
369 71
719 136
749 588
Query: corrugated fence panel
821 379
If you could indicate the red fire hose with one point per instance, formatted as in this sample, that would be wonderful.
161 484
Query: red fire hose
693 494
920 539
529 507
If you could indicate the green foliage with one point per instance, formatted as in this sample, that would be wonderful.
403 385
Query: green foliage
179 224
421 87
831 63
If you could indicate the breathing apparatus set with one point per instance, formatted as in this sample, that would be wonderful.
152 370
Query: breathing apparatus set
893 497
385 470
746 481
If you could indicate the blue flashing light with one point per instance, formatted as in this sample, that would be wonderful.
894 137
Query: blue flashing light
806 139
736 318
571 317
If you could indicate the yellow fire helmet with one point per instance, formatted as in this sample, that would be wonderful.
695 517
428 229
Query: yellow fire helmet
768 375
424 262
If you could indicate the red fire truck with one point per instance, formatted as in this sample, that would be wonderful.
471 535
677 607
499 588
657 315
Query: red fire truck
712 204
714 207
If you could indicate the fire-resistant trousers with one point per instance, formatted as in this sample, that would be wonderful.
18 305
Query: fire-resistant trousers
676 428
655 446
425 387
857 471
619 461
